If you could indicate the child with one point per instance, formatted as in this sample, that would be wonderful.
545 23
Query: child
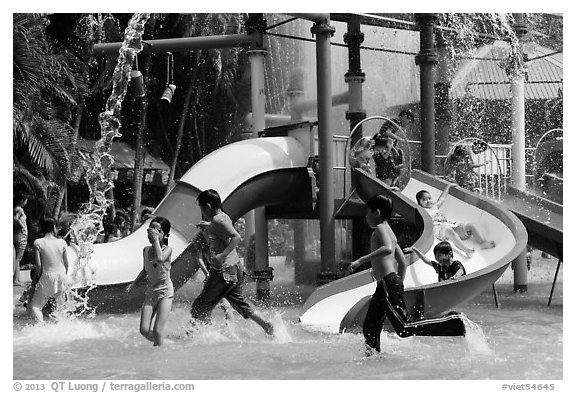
160 292
51 258
386 169
203 256
388 300
361 154
445 266
20 235
445 230
226 273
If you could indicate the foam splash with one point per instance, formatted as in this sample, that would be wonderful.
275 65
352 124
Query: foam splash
476 342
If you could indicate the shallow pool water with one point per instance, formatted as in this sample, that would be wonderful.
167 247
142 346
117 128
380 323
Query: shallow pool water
521 340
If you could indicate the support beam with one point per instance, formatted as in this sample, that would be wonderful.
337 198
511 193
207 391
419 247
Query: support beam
180 44
323 32
355 77
427 59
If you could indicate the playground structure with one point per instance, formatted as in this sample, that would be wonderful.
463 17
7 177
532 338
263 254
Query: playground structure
279 166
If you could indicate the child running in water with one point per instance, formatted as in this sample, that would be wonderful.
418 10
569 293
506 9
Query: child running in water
445 230
160 292
445 266
388 299
226 273
51 259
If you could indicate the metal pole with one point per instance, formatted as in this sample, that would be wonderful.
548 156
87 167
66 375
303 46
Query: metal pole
255 26
427 59
518 153
355 114
442 101
179 44
324 32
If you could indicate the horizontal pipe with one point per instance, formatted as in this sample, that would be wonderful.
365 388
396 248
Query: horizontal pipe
180 44
316 18
338 99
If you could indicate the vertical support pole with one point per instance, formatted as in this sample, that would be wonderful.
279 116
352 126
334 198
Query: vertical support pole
516 73
255 26
442 102
295 96
356 113
323 32
427 59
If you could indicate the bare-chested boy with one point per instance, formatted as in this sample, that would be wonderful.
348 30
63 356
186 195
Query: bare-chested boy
388 299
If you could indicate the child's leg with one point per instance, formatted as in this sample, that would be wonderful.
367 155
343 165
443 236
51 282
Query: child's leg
146 316
162 312
477 235
240 304
374 321
452 236
36 303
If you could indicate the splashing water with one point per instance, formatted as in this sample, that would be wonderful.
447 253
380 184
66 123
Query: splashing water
89 224
476 343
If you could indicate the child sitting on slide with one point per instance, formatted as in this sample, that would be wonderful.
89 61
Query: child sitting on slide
445 230
445 266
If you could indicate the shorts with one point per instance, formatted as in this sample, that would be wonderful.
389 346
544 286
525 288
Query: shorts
153 296
225 283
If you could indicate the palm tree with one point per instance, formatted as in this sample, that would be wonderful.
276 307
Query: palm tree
45 85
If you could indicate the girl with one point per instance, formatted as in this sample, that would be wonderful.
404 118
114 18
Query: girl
160 292
445 230
51 258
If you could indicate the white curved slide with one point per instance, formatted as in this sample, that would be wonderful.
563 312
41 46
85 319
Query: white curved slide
341 305
259 167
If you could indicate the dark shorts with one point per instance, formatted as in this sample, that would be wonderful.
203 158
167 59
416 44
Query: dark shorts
227 284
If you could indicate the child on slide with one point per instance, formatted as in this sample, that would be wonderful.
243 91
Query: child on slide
446 267
445 230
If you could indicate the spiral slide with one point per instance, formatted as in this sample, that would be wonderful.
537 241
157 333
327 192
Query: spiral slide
341 305
246 174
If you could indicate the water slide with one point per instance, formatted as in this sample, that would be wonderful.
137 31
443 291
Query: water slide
341 305
247 174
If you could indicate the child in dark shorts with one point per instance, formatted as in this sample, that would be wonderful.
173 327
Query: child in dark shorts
226 272
445 266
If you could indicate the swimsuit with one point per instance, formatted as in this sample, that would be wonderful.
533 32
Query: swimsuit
159 277
441 223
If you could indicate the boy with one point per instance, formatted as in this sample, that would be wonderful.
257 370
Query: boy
445 266
388 299
226 273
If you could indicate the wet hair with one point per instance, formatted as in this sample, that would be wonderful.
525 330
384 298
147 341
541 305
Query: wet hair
443 248
47 224
420 195
165 225
381 203
408 114
210 197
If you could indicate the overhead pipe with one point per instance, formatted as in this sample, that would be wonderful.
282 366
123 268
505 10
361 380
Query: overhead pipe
337 99
320 19
180 44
